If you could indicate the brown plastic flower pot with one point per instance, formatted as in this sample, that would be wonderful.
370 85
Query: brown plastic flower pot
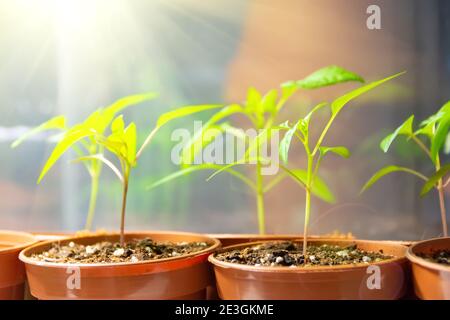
184 277
237 238
12 272
236 281
51 236
431 280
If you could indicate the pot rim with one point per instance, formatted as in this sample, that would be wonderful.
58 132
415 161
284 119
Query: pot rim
421 261
19 246
27 260
284 269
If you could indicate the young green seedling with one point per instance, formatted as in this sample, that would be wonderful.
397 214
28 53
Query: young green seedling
85 146
262 111
120 142
432 137
316 151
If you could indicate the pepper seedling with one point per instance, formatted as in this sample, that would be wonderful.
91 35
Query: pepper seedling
432 137
120 142
84 146
262 112
316 151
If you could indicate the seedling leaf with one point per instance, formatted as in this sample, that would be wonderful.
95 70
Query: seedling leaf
285 143
341 151
440 136
201 167
434 179
129 137
387 170
58 122
328 76
319 187
340 102
268 102
70 137
183 112
406 128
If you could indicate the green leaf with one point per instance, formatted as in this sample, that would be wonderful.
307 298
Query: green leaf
114 142
263 137
432 119
447 144
341 151
288 89
236 132
70 137
285 143
427 130
253 107
197 140
128 101
434 179
58 122
204 138
340 102
224 113
253 101
427 127
406 128
308 117
118 125
201 167
129 137
183 112
269 101
244 161
97 121
101 118
328 76
389 169
440 135
319 187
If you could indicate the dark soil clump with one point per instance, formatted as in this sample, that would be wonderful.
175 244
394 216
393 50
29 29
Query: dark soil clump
107 252
439 256
291 254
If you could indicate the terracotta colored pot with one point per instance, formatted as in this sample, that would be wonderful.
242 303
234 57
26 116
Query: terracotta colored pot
236 238
12 272
50 236
431 280
235 281
184 277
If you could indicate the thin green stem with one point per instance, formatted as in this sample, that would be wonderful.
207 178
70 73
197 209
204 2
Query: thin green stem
261 213
260 197
146 142
440 189
307 201
274 182
92 201
324 133
422 146
316 167
124 205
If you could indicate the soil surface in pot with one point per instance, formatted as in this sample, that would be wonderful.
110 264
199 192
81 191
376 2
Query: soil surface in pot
291 254
107 252
439 256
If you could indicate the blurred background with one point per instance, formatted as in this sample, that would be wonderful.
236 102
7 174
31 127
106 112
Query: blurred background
72 56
